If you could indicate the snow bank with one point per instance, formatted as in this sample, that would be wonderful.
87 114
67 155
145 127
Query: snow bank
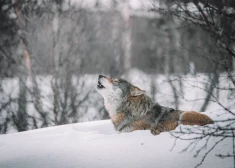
97 144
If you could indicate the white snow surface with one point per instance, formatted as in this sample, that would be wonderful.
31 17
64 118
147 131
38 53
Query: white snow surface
97 145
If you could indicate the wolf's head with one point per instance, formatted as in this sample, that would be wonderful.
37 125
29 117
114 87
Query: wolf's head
117 90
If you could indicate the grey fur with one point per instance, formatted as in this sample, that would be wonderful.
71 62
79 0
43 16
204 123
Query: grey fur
131 109
151 115
135 108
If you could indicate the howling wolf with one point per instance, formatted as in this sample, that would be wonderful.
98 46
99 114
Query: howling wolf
131 109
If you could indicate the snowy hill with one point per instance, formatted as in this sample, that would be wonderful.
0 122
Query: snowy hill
97 144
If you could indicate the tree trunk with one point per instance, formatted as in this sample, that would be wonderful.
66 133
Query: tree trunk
21 117
214 81
126 37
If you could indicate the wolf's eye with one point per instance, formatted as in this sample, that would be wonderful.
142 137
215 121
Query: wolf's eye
115 81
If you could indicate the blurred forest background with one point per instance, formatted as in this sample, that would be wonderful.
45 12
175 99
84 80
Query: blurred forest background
51 53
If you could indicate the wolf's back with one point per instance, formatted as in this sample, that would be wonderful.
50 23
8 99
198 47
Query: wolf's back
172 119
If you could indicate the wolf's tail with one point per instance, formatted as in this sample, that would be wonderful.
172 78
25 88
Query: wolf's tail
194 118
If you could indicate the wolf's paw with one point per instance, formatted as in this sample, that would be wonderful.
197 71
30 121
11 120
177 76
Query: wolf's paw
155 131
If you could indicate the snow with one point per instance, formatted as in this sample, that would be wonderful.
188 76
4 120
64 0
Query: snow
12 15
97 144
229 10
4 7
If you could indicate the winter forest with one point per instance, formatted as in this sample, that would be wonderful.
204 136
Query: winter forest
182 53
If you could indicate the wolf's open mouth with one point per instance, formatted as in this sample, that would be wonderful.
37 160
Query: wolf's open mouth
100 85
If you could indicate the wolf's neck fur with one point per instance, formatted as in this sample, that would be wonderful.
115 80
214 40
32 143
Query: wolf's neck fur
111 104
111 107
133 105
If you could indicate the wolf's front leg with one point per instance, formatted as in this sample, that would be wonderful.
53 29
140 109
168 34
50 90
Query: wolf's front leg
131 123
155 131
125 124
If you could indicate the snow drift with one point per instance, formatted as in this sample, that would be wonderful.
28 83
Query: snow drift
97 144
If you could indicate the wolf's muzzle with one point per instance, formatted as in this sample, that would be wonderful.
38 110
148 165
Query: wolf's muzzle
101 76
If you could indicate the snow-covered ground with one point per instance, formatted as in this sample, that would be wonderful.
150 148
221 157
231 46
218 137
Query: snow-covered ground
96 144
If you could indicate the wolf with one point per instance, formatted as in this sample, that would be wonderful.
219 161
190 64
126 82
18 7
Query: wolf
131 109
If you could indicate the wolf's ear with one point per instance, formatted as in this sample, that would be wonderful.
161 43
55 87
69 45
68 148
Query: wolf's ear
135 91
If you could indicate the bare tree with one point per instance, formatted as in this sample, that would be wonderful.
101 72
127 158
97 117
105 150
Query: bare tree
217 19
43 35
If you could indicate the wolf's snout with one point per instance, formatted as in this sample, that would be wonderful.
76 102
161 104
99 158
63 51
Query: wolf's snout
101 76
104 82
